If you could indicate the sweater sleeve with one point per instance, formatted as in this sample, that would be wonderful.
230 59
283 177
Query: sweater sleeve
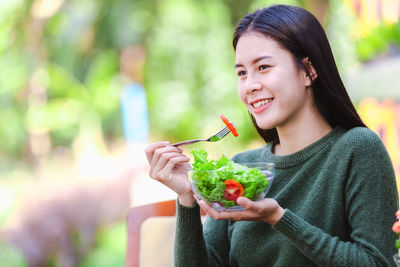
371 202
190 246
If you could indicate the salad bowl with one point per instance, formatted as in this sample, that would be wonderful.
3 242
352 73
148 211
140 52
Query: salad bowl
221 187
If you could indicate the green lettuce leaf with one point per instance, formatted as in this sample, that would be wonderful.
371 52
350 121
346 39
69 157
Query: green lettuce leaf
210 175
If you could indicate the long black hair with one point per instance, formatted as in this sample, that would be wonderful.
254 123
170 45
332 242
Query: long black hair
300 33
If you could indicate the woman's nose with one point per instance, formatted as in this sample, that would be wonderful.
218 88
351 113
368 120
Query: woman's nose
252 84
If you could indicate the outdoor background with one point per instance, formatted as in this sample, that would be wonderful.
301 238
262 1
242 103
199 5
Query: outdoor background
74 117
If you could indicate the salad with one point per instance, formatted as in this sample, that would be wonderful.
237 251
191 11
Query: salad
222 181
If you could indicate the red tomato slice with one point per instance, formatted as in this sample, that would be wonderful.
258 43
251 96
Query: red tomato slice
233 190
228 124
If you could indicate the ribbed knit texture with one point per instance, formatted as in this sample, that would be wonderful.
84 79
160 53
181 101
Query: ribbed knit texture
340 198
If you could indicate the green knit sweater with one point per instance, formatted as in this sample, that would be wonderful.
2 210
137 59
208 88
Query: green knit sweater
340 198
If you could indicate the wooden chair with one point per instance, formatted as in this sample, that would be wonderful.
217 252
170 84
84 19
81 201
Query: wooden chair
158 222
136 217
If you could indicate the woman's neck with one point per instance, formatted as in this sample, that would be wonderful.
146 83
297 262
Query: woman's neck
300 134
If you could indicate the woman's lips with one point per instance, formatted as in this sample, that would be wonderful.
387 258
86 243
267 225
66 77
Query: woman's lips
259 106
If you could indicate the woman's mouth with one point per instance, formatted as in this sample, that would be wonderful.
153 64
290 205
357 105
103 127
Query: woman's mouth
261 105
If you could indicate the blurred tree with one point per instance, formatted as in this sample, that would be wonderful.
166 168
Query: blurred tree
266 3
338 28
237 8
109 249
189 74
383 40
11 256
14 75
59 70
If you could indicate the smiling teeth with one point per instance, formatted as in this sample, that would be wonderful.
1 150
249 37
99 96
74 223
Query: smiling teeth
262 102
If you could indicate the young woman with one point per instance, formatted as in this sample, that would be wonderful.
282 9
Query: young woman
334 195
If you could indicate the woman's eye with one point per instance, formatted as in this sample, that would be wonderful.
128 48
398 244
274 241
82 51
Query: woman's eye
263 67
241 73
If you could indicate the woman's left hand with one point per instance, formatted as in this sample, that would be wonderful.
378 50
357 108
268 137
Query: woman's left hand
266 210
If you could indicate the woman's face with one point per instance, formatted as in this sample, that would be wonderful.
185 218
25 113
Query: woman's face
270 85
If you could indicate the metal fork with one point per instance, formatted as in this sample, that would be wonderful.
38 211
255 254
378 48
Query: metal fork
216 137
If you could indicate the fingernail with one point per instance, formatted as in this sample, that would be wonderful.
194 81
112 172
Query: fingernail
240 201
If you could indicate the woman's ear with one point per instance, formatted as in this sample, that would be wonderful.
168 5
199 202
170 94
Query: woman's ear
311 74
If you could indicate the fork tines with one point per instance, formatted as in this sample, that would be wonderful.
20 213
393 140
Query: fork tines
223 132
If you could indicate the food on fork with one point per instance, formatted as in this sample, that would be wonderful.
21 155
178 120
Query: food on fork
230 125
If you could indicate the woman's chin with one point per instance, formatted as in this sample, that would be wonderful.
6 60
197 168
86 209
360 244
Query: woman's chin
265 125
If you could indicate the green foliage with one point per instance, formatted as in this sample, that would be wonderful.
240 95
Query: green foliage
14 74
378 41
73 56
54 78
189 73
109 249
339 22
11 256
266 3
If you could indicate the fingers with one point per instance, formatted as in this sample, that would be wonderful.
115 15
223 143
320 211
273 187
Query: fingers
249 205
149 151
162 154
167 163
244 202
253 210
216 215
156 150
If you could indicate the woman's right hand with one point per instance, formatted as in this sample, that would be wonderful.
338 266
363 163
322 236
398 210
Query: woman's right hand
169 166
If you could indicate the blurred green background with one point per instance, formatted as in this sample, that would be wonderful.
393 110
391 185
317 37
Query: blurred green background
63 67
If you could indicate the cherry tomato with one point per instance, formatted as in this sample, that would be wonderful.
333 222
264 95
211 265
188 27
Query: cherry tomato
233 190
228 124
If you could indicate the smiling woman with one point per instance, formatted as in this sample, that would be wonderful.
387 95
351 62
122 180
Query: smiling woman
334 180
271 85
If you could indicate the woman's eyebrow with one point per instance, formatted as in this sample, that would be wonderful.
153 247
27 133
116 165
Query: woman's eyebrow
254 61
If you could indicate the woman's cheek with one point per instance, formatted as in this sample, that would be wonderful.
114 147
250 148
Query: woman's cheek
242 94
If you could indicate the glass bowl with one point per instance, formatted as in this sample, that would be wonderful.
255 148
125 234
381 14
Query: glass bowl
220 188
